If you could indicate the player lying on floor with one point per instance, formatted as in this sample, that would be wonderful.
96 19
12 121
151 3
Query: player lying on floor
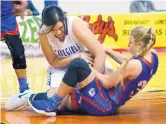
100 94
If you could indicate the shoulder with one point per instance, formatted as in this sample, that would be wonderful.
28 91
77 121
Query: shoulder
133 68
79 22
41 30
134 63
42 35
153 51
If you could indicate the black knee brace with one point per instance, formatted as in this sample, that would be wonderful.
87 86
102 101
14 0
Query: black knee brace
78 70
16 48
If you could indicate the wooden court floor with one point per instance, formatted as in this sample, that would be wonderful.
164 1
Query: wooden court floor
147 107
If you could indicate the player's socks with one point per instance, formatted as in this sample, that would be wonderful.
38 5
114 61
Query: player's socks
23 84
46 107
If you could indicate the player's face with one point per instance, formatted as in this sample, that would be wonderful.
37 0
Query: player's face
57 30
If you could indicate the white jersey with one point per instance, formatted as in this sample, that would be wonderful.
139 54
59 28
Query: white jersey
69 47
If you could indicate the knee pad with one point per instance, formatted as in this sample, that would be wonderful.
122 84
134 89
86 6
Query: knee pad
78 63
16 48
78 70
19 62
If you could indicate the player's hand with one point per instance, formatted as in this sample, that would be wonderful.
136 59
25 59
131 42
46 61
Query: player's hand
87 57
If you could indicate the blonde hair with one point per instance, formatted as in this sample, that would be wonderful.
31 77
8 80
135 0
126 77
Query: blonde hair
145 35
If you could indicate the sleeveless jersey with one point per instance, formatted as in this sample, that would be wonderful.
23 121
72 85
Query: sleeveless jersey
70 46
120 94
8 21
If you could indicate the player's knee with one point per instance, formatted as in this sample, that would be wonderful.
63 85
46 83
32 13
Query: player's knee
16 48
19 61
81 67
78 70
78 63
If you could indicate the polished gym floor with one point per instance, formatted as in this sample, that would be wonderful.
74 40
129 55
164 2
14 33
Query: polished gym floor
147 107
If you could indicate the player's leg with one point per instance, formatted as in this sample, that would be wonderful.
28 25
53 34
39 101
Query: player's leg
16 48
54 79
95 100
78 71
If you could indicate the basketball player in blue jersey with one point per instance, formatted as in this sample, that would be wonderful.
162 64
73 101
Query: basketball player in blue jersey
10 33
102 95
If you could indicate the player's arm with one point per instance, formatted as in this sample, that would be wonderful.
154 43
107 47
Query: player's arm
88 39
119 58
131 71
51 56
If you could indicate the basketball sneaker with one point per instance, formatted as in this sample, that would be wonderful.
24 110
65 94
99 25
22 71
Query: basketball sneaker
18 102
46 107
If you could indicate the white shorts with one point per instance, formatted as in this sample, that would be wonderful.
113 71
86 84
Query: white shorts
55 76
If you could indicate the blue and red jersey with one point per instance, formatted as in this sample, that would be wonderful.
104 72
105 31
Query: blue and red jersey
94 99
120 94
8 20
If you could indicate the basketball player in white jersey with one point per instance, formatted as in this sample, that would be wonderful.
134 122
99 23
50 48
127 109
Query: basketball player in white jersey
62 39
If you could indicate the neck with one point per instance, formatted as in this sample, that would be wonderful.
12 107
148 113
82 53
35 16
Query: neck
148 55
61 39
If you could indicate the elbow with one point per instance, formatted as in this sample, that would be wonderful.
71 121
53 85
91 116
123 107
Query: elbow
104 84
53 63
107 84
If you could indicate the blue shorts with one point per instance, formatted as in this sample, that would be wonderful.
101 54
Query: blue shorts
96 101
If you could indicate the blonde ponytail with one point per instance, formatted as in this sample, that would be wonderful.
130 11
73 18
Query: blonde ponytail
144 34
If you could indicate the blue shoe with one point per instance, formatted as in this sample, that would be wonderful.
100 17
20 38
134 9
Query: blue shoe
44 107
38 96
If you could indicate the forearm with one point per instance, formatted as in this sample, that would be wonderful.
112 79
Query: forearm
104 79
58 63
99 63
119 58
111 80
98 75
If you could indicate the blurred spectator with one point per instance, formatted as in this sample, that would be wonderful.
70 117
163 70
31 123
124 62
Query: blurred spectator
142 6
31 10
50 2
